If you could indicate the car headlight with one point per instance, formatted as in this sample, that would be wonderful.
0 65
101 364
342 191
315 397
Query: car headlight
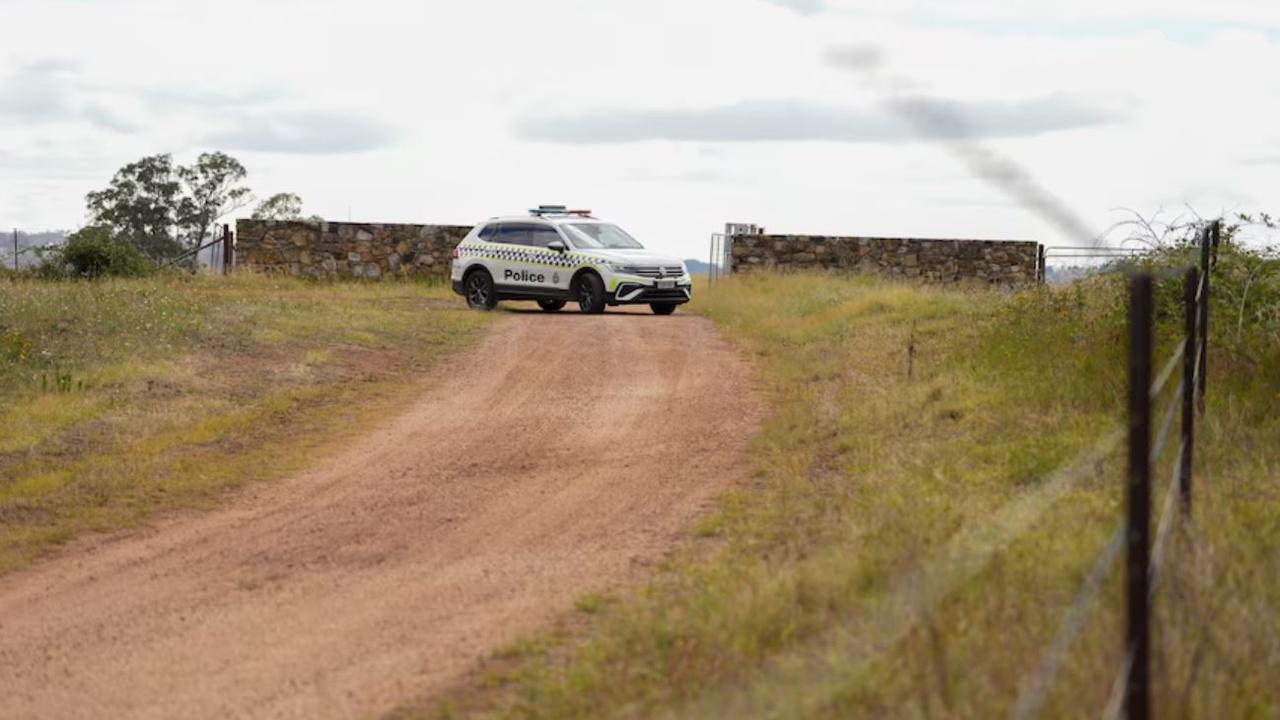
620 268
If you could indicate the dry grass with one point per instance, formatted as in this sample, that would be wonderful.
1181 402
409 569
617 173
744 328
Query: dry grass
905 548
121 398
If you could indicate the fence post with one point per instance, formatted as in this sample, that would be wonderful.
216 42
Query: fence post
1137 699
1217 238
229 258
1042 271
226 248
1190 309
1202 324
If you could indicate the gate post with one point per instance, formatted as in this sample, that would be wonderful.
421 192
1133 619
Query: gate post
228 250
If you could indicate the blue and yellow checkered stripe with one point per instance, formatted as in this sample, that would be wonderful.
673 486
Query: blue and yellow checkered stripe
527 256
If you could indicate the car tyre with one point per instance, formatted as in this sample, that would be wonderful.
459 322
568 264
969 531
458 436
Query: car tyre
662 308
479 290
551 305
589 291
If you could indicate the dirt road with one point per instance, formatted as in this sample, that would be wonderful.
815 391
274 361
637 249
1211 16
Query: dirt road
560 455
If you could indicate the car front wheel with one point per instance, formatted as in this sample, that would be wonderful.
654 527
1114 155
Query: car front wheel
590 294
662 308
479 291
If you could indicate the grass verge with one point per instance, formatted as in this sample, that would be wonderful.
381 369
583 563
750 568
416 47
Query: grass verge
121 398
906 547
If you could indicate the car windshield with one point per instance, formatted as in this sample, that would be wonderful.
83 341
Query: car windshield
600 235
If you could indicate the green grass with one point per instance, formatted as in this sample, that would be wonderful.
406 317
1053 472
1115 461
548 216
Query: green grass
120 398
905 547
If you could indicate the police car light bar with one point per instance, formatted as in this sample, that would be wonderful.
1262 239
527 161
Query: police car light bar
558 210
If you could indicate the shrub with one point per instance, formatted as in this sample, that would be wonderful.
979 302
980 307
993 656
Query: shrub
96 251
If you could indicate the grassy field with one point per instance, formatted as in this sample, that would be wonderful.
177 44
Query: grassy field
930 493
120 398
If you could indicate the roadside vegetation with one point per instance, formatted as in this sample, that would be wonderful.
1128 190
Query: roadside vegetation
122 397
153 214
929 495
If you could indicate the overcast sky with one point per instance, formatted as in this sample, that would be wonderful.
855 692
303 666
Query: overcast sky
668 116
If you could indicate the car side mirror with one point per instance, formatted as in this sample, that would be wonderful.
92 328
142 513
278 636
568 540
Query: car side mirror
557 245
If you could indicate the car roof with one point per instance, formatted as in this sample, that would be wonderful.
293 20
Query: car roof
545 219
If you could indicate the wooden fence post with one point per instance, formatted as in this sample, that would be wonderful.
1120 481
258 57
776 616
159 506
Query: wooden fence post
1138 640
1190 310
227 251
1202 324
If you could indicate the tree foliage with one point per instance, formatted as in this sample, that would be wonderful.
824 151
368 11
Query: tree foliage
95 251
281 206
141 204
164 209
212 190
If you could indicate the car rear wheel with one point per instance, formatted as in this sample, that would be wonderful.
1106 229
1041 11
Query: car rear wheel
479 291
590 294
550 305
662 308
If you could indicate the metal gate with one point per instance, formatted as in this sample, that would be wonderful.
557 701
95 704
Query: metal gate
719 257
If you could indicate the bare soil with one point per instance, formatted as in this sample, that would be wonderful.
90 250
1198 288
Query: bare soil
563 454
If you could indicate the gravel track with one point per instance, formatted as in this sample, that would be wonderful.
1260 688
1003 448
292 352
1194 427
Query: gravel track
561 454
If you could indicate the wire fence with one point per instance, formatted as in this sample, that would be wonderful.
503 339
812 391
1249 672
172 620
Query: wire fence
221 252
217 254
20 249
1144 555
1130 691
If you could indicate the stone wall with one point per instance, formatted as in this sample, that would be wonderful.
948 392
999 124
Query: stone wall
1002 262
341 249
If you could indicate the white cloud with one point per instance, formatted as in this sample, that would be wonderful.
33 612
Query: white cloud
791 120
414 111
804 7
51 91
307 133
1045 13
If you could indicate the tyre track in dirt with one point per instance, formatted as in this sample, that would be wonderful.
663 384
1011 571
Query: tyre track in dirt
561 454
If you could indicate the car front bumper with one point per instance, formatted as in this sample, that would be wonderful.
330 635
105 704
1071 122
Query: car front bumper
647 291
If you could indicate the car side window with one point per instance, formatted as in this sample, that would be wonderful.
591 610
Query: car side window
507 233
544 235
514 233
487 232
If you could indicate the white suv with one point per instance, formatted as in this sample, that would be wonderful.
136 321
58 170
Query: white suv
556 255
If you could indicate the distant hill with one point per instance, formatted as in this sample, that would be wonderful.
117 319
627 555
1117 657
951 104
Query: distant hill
27 240
697 266
1062 275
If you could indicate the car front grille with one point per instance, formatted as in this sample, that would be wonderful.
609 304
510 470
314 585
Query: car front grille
654 294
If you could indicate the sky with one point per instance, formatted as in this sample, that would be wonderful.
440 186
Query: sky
670 117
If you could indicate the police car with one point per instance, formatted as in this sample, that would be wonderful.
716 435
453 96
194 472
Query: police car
555 256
